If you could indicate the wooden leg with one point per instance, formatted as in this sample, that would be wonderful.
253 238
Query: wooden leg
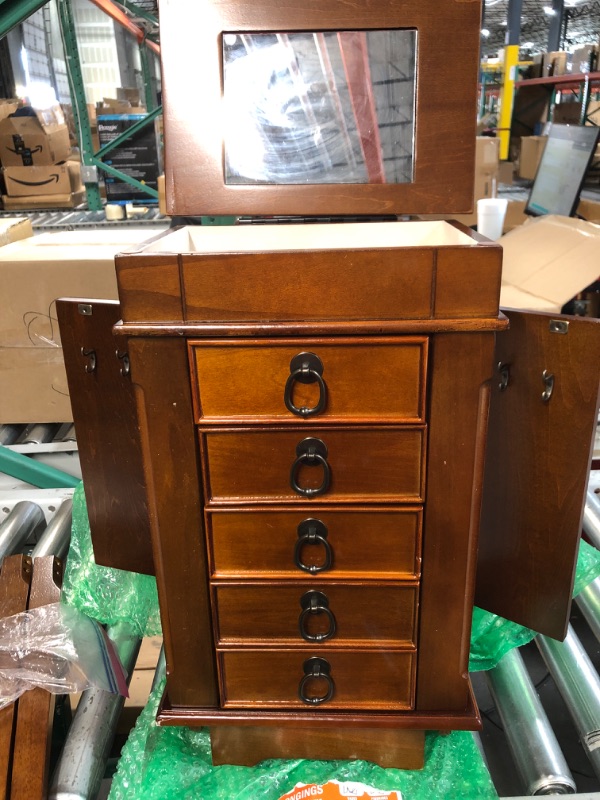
33 730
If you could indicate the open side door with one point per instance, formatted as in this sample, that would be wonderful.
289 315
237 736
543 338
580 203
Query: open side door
543 416
108 437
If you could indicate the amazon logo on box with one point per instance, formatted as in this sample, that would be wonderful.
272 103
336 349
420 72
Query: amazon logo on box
27 141
54 179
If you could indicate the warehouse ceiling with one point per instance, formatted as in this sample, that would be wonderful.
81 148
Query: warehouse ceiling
582 23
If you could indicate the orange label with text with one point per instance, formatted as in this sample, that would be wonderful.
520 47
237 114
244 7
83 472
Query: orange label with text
338 790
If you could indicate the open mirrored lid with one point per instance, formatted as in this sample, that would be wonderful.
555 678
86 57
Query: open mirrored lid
329 108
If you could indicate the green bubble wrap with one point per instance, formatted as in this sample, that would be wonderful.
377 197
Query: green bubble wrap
107 595
173 763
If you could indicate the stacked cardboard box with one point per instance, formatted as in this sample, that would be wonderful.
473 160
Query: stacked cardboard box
554 63
34 153
584 59
33 274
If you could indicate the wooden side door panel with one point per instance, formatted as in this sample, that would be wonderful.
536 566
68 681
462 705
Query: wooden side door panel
537 465
108 437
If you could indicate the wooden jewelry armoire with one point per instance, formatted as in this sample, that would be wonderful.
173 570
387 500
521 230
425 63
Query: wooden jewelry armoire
297 415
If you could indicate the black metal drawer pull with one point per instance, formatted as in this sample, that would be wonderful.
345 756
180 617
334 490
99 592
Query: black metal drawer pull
313 531
312 453
315 603
305 368
316 668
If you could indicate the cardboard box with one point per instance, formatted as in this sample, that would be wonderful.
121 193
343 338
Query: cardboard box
130 95
41 201
548 261
532 149
584 59
111 105
7 107
33 274
56 179
515 213
554 63
13 229
506 172
138 157
34 141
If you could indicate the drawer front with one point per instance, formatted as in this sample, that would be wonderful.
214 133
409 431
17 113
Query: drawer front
315 542
369 464
375 680
351 380
315 613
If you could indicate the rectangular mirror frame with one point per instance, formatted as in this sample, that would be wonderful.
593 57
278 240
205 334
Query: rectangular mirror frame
446 97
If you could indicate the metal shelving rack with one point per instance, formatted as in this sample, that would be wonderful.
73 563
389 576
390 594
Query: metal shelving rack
140 21
583 84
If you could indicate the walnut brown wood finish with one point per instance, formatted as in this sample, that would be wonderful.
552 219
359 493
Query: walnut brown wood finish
33 732
366 679
191 35
269 614
466 720
357 289
377 541
458 408
159 370
379 464
250 745
108 435
531 518
245 380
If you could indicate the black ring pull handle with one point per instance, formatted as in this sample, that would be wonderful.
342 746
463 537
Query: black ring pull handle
305 368
315 668
315 603
310 452
313 531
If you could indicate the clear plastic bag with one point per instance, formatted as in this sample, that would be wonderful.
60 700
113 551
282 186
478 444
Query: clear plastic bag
57 648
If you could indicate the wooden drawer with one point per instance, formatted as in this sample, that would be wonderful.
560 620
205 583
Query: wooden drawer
254 613
383 464
378 541
368 679
375 379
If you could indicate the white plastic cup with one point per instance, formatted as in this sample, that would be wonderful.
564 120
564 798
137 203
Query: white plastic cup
114 211
490 216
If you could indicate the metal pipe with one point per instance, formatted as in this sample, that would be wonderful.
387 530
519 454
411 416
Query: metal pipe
591 518
69 435
81 765
39 433
10 433
34 472
535 750
13 12
24 521
588 601
55 539
579 685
